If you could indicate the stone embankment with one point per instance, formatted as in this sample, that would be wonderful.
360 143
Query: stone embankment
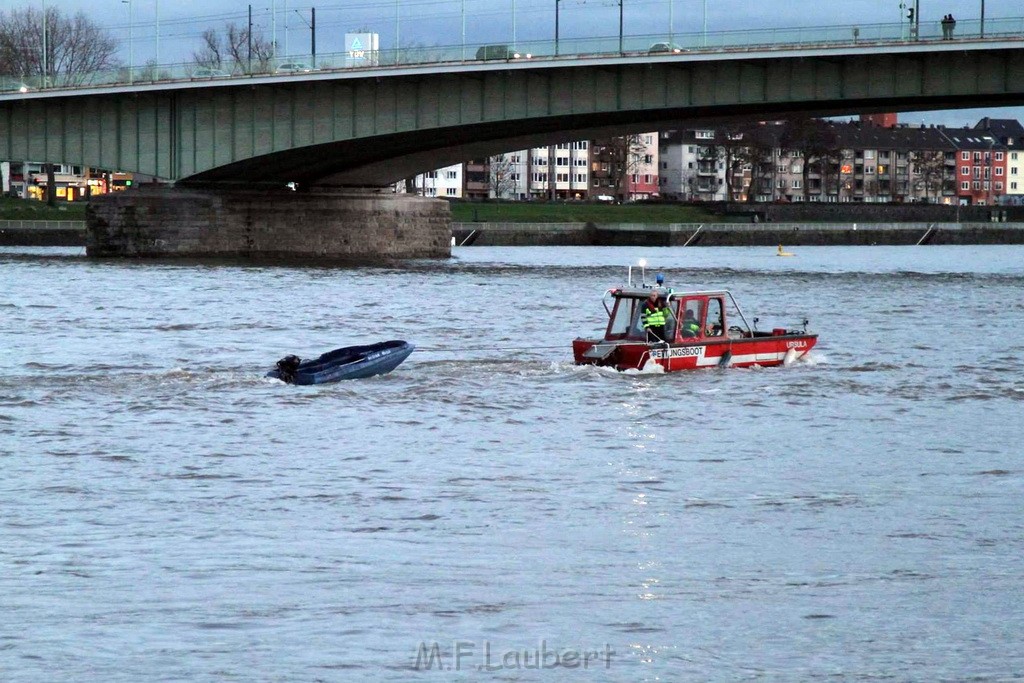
733 234
42 233
73 234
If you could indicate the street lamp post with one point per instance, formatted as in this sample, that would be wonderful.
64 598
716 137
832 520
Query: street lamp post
131 40
513 25
982 18
620 27
463 30
44 44
156 4
704 35
556 28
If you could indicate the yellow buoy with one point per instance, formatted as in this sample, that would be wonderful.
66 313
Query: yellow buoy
783 252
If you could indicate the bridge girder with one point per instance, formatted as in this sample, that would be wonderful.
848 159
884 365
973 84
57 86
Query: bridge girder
373 130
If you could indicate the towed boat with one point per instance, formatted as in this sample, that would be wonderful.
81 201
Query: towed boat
703 329
350 362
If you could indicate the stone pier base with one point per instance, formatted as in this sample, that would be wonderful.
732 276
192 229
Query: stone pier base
267 223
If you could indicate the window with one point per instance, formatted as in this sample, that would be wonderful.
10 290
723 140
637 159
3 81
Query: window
1013 170
1014 156
977 156
977 171
515 159
965 185
704 134
647 178
965 170
451 175
648 159
780 168
580 162
431 174
999 170
999 156
966 156
431 191
869 154
540 177
999 187
869 170
798 184
562 161
714 327
781 184
561 177
1013 186
582 144
985 185
451 191
564 145
977 185
581 178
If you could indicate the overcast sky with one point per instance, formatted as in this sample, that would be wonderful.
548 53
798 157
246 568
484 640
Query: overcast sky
440 22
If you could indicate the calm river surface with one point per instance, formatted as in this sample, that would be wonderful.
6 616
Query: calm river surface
166 513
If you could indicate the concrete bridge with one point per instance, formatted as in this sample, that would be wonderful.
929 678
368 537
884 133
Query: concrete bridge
223 140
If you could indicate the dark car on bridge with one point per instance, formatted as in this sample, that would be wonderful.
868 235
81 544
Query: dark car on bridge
499 52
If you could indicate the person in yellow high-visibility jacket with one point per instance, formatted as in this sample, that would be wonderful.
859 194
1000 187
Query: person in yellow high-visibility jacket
655 316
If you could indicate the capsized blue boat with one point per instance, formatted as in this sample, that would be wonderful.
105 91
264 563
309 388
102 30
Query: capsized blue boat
351 362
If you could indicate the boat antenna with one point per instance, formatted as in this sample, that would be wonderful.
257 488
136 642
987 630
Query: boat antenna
643 271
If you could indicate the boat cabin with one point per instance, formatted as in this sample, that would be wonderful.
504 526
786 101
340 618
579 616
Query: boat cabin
710 311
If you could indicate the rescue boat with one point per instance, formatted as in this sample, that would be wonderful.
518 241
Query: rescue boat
723 338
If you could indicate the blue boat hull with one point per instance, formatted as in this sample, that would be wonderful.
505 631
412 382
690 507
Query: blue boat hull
351 362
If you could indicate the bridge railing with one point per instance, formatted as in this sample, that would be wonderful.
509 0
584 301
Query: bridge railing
605 46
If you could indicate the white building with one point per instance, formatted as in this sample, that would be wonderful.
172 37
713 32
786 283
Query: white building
687 170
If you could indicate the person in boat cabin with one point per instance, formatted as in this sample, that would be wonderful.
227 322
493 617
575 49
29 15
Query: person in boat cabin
655 318
690 326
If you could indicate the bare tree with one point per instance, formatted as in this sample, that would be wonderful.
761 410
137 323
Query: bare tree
76 47
815 140
228 50
502 179
931 165
627 153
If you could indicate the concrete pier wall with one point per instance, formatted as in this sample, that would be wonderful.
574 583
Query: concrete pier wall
267 223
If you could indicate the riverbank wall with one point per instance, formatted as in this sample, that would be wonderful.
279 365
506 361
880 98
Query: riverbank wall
733 234
73 234
42 233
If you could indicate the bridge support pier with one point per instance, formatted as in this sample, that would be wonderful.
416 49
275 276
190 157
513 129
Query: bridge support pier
267 223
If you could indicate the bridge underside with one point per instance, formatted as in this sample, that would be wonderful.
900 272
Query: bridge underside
339 130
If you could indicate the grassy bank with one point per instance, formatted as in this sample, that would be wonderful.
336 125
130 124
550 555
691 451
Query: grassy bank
31 210
577 212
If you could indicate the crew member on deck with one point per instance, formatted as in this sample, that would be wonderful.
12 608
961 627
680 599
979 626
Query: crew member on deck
654 317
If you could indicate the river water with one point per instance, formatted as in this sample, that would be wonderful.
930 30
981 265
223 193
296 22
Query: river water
166 513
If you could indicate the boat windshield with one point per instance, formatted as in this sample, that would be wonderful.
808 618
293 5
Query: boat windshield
625 321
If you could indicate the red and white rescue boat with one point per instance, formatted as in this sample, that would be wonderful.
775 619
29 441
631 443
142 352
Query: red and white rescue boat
724 339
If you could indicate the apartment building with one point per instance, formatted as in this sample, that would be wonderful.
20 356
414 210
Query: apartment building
1010 134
